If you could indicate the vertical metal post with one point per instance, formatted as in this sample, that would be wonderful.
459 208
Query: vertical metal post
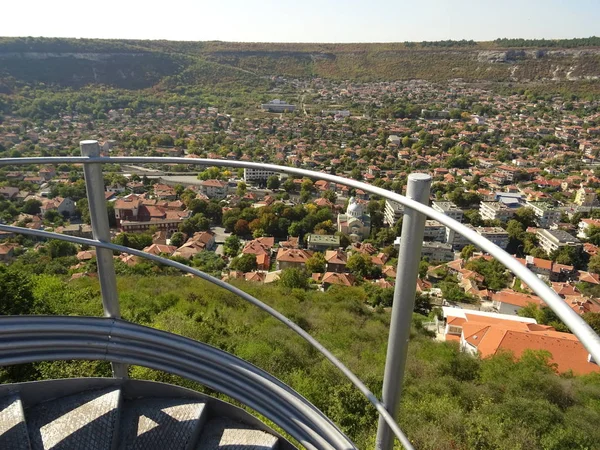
409 256
94 184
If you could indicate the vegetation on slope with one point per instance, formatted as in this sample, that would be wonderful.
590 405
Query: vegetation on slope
451 400
138 64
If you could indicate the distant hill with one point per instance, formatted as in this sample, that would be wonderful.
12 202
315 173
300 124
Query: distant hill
139 64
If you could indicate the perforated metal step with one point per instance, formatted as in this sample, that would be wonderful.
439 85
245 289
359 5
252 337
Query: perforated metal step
81 421
13 430
226 434
161 424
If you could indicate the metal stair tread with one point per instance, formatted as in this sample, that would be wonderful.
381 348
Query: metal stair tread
85 420
223 433
13 429
160 423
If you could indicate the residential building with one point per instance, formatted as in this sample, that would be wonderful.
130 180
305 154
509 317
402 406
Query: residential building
78 230
214 189
170 225
260 247
495 234
278 106
158 249
9 192
7 252
64 206
127 208
449 209
336 260
551 240
434 231
545 215
486 335
393 212
356 223
437 251
322 242
585 197
254 175
164 192
547 269
496 211
292 258
340 279
584 225
508 301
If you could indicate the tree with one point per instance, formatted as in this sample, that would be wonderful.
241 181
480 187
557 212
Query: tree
495 276
194 224
179 189
361 266
54 217
467 251
139 241
16 296
570 256
31 206
241 189
177 239
316 263
209 262
58 249
244 263
422 305
526 216
329 195
231 247
594 264
295 229
273 182
241 228
293 278
593 320
288 185
356 174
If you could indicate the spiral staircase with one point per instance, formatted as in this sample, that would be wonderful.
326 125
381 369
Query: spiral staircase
107 414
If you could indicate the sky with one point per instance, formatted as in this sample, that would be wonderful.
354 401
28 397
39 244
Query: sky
302 20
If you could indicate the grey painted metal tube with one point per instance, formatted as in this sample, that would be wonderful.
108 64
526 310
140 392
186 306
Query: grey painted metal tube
576 324
276 314
409 256
94 184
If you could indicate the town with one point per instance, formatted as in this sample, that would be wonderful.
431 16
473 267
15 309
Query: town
520 169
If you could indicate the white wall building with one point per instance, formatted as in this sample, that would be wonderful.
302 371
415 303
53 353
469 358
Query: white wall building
495 211
393 212
251 175
545 215
551 240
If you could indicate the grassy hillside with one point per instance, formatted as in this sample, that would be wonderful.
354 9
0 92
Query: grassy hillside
451 400
138 64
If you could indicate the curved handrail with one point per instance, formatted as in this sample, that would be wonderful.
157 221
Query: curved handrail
269 310
27 339
572 320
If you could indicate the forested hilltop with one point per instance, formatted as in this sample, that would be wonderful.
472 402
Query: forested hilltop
139 64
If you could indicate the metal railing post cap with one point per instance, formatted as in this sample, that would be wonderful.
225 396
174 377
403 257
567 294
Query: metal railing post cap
89 147
419 177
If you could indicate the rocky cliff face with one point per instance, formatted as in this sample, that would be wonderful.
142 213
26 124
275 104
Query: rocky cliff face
143 64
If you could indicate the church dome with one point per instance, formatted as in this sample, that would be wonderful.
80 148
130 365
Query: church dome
355 209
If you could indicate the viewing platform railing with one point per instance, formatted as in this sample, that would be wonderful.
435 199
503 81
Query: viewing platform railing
122 343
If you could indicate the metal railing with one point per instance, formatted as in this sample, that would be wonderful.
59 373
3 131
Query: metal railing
408 260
